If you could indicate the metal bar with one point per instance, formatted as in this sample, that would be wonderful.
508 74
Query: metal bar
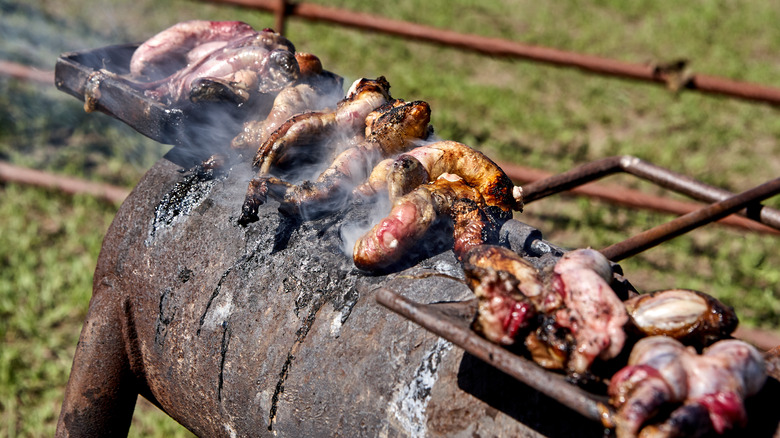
73 186
280 16
505 48
631 198
656 235
23 72
568 180
658 175
460 334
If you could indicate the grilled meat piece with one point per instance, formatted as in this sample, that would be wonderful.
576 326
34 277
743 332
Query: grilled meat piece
304 130
592 310
582 317
410 218
472 226
184 43
712 387
390 130
426 163
476 169
205 60
550 344
396 126
387 241
377 180
309 64
404 175
502 311
498 258
400 124
508 289
690 316
654 376
289 102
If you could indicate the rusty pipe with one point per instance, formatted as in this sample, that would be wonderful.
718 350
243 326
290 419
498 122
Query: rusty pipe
510 49
658 175
25 73
281 10
70 185
656 235
630 198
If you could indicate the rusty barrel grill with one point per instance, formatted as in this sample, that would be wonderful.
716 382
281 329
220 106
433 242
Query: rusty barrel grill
270 329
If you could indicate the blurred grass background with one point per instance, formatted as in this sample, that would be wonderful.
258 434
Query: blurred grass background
532 114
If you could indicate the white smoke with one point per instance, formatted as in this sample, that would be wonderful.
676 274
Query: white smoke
350 232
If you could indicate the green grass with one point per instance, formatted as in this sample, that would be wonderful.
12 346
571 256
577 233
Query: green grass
532 114
43 297
50 244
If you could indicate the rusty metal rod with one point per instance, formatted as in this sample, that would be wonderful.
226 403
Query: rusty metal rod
73 186
658 175
511 49
280 16
681 225
23 72
630 198
550 384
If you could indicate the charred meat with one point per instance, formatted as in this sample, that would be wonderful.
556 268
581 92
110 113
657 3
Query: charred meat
503 312
508 289
581 317
410 218
476 169
312 129
407 124
389 129
498 258
291 101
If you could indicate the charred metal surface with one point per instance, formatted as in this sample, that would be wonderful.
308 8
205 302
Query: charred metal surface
234 331
270 329
182 199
